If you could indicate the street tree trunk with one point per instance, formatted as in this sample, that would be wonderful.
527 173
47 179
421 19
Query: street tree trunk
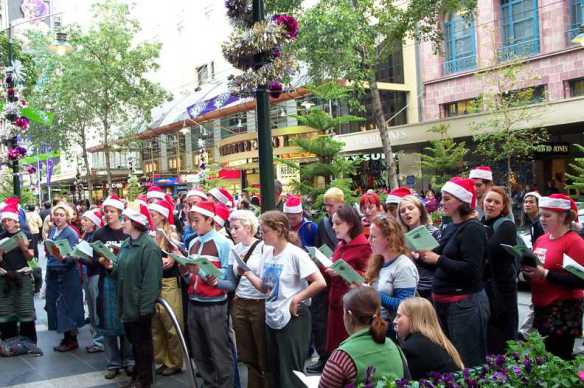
86 162
106 152
379 116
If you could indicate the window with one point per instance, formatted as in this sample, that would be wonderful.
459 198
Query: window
233 124
520 29
390 66
577 87
525 96
205 72
463 107
459 36
576 18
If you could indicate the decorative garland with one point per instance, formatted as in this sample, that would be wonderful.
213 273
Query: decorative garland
257 49
17 124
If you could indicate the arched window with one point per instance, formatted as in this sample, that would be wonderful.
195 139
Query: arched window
460 44
519 28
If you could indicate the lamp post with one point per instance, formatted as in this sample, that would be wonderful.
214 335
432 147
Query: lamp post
266 159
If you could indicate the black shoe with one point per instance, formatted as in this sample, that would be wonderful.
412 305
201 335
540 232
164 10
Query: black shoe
316 367
160 370
171 371
112 374
130 371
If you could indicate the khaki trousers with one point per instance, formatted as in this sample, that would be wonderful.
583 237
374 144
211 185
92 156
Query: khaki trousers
248 317
167 347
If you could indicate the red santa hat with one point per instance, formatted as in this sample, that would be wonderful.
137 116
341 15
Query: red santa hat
196 193
481 172
114 201
164 208
463 189
221 214
396 195
558 203
155 192
206 208
222 195
293 204
142 199
95 216
139 213
10 209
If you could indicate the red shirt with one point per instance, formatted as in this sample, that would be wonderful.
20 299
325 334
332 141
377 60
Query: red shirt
551 254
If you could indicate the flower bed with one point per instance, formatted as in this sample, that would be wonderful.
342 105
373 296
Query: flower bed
526 364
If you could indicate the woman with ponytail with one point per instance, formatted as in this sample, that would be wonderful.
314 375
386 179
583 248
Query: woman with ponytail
289 279
367 345
422 340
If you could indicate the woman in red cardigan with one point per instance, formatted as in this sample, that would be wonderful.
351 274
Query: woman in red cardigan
354 248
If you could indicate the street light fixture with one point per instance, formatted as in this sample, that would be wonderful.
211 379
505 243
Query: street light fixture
60 46
579 39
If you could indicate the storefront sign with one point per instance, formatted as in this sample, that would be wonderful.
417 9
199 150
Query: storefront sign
366 157
286 175
170 181
553 149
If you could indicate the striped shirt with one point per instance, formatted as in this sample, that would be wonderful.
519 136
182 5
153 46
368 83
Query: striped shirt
339 371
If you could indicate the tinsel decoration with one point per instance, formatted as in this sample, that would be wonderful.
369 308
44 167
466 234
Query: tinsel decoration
258 50
12 91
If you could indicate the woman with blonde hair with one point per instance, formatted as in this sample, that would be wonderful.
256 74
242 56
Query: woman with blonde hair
412 214
390 271
422 340
167 347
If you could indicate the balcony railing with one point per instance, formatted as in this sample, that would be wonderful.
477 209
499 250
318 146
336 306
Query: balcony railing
459 64
521 49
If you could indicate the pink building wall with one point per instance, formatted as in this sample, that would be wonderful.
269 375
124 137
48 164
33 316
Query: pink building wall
557 62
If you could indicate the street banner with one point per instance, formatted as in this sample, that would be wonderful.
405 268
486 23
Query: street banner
49 171
203 107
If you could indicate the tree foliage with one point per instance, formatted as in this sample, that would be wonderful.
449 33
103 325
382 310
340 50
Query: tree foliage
511 130
444 157
346 39
577 172
134 187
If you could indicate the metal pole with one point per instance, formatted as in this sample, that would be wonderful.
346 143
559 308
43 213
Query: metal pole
266 158
184 348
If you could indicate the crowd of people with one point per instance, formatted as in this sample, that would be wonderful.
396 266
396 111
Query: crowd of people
271 306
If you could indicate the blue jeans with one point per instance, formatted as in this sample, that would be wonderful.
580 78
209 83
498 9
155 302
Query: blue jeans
465 324
118 352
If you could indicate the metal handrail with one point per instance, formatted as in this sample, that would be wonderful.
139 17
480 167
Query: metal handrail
183 343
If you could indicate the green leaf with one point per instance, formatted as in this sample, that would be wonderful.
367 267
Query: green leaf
37 116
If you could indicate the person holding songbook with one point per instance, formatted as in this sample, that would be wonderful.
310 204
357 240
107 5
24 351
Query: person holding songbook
17 314
64 298
557 302
167 346
138 271
501 271
390 271
412 214
355 250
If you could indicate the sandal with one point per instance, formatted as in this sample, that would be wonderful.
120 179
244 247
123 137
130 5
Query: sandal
94 349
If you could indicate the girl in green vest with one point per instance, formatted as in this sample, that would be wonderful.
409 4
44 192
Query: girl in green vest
366 346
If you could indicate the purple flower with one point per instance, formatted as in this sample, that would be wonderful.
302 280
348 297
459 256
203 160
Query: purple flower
499 376
275 89
290 24
435 376
16 153
30 169
22 122
527 364
500 360
402 383
276 52
515 356
516 370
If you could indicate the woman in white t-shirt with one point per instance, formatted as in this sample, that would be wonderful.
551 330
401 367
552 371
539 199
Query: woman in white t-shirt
290 279
248 310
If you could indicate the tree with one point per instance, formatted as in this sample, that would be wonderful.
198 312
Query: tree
444 157
510 131
134 187
345 39
577 175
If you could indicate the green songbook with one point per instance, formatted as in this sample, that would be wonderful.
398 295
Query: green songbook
526 256
58 248
102 250
8 244
206 268
573 267
344 270
326 250
317 255
420 239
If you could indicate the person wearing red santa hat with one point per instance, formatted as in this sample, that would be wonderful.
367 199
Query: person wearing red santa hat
64 297
192 197
556 294
307 230
394 198
138 270
458 290
167 346
155 193
221 217
220 194
16 287
482 176
207 309
91 220
118 350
